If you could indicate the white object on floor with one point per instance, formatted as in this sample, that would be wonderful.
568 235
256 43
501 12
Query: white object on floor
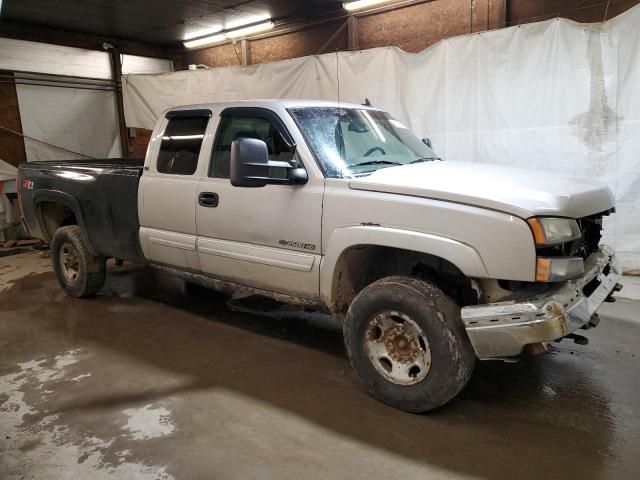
7 172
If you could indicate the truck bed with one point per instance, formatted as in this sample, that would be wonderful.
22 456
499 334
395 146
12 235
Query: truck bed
102 195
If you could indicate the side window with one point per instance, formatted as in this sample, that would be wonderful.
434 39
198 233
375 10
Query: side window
181 144
232 127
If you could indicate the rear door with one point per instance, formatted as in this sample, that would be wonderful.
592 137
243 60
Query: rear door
267 237
168 189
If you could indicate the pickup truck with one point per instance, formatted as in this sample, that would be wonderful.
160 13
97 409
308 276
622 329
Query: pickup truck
429 265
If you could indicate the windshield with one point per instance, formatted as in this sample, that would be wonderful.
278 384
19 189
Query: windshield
354 141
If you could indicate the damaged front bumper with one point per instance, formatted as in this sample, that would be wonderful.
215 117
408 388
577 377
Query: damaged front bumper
503 329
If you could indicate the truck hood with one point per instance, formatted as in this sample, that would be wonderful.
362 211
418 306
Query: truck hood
517 191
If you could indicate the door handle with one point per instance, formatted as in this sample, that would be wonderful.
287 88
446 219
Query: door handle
208 199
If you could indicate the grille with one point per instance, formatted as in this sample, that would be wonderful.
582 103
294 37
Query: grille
591 228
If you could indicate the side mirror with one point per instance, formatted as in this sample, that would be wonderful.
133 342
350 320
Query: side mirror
427 142
251 167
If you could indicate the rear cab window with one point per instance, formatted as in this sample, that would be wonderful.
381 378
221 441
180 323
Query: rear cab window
181 142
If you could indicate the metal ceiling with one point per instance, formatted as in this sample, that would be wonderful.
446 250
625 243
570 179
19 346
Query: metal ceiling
160 22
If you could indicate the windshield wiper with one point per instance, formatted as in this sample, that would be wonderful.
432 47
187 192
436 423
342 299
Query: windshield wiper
375 162
425 159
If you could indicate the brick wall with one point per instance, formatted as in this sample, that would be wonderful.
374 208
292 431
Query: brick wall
412 28
586 11
299 44
138 144
271 49
417 27
11 146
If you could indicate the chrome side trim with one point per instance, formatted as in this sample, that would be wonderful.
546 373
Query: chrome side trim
275 257
168 243
166 238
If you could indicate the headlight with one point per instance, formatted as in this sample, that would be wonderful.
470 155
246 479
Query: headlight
548 231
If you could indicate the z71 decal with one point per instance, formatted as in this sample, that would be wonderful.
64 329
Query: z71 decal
304 246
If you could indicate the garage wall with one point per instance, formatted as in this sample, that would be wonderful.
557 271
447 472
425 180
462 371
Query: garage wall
417 27
80 120
554 95
281 47
411 28
298 44
586 11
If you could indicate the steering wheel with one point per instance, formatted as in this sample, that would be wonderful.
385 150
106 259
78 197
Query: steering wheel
371 150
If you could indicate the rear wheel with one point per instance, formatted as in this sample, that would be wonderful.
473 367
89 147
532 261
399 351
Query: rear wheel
407 344
79 272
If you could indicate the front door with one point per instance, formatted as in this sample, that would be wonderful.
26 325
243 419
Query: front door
267 237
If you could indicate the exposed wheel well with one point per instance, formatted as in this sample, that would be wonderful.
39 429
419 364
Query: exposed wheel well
362 265
53 215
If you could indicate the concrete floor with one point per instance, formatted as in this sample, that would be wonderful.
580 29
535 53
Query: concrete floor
148 382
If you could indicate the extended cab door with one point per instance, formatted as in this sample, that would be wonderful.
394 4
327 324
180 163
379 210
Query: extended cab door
167 193
266 237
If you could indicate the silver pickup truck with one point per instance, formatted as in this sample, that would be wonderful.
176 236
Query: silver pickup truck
428 264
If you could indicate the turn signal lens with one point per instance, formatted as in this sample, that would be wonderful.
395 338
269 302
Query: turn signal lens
543 269
538 231
558 269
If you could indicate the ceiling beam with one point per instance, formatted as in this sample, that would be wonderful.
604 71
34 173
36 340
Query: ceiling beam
32 33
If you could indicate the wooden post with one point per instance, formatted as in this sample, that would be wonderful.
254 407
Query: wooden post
245 52
352 33
116 74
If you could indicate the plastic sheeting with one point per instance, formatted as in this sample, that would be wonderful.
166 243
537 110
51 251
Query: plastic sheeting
554 95
83 121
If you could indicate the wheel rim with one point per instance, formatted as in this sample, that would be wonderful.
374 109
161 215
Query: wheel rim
397 348
69 263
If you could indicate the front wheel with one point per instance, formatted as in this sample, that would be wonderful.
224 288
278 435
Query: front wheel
407 344
79 272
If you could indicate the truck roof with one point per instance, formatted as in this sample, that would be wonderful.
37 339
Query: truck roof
271 103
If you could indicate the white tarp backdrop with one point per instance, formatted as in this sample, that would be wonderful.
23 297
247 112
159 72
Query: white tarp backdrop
554 95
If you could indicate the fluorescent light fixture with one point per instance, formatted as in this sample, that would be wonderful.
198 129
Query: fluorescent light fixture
246 20
250 30
360 4
183 137
204 41
245 29
202 32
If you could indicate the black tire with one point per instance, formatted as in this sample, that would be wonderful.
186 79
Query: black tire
89 269
451 355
